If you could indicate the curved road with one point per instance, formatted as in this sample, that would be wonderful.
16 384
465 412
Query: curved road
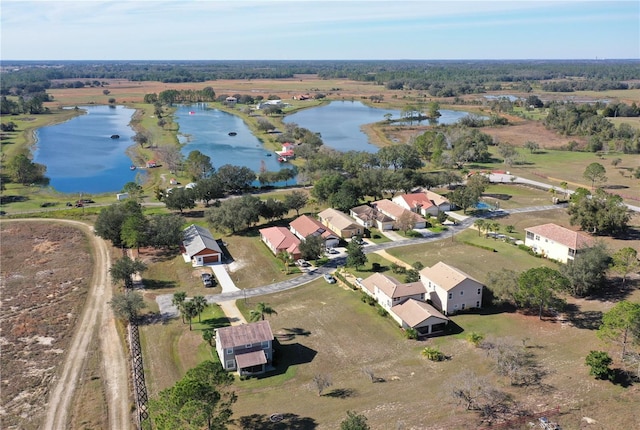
96 318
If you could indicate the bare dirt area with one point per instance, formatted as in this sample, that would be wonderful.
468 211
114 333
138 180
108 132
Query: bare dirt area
43 294
521 131
57 373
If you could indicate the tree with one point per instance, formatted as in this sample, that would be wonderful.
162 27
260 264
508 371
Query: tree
625 261
133 232
296 200
537 287
601 213
599 362
503 286
110 220
321 382
180 199
285 257
354 422
134 190
479 224
265 125
235 179
621 324
208 335
355 254
197 165
595 172
178 301
165 230
200 304
208 189
235 214
587 271
124 268
531 146
312 247
141 139
412 275
201 399
260 311
190 311
128 305
24 171
406 221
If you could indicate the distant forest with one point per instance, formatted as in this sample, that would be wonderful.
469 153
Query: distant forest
439 78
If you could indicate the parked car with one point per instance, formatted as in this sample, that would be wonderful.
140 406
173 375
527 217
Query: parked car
329 278
301 263
207 279
332 250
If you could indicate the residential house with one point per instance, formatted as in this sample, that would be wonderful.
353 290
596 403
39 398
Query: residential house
287 152
405 302
199 246
341 223
368 217
395 211
246 348
555 242
420 316
441 202
451 290
151 164
416 202
280 239
305 226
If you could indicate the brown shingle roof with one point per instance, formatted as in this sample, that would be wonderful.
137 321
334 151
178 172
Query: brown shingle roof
245 334
562 235
367 213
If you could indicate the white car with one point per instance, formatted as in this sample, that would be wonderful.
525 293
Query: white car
329 278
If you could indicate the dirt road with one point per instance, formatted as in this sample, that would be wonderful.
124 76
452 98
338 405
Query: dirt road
96 318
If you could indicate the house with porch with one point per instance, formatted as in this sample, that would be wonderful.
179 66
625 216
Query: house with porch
247 348
556 242
368 217
405 302
450 289
341 223
199 247
280 239
305 226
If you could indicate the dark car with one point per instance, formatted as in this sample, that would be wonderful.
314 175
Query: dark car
207 279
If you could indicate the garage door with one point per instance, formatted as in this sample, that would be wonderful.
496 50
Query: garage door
211 259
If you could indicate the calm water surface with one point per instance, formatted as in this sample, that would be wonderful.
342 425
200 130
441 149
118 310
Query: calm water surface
207 130
339 123
81 156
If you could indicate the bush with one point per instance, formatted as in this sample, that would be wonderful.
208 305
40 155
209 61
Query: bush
599 362
381 311
433 354
411 333
375 267
413 233
397 269
475 338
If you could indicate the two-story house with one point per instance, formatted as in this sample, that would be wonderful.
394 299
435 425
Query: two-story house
341 223
305 226
450 289
246 348
395 211
555 242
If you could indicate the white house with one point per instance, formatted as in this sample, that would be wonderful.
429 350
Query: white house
395 211
416 202
451 290
555 242
246 348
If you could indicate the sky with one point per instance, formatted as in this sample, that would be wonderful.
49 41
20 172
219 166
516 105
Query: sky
318 30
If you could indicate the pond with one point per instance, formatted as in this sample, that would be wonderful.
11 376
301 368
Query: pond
80 154
208 131
339 123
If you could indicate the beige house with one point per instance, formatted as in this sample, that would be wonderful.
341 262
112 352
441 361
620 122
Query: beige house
395 211
368 217
340 223
405 302
441 202
246 348
451 290
555 242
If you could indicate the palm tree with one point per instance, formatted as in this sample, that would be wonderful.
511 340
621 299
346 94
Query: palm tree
178 301
496 228
565 188
209 335
286 259
261 309
201 304
190 311
480 224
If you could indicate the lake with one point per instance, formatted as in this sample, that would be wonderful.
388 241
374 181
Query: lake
339 123
81 156
207 130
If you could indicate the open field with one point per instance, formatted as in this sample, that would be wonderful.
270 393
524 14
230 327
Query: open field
46 271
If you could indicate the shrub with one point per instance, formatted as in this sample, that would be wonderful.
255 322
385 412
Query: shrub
397 269
411 333
510 228
475 338
433 354
599 362
381 311
375 267
413 233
